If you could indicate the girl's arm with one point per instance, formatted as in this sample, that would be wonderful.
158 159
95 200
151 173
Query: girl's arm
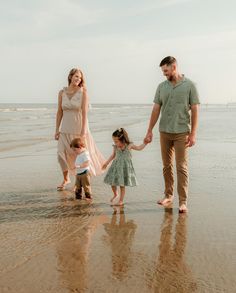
59 115
109 160
84 112
137 147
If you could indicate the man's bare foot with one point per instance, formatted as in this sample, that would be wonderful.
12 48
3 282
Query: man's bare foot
183 208
63 185
165 201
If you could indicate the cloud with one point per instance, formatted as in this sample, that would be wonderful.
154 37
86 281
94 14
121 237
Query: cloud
118 52
49 20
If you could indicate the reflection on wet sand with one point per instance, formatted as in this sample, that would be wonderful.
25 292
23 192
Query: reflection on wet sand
73 253
120 235
170 272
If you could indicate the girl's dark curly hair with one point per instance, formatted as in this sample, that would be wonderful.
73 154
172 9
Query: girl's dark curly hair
122 135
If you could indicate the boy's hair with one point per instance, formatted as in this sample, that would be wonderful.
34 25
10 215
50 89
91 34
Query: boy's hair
122 135
77 143
169 60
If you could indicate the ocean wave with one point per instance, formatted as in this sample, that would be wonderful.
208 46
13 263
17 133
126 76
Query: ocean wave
6 110
28 117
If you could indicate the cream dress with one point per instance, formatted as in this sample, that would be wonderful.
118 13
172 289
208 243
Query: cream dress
70 128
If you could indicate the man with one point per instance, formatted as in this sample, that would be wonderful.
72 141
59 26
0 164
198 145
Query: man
175 98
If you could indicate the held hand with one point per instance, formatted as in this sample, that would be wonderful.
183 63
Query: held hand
191 140
104 166
148 137
57 134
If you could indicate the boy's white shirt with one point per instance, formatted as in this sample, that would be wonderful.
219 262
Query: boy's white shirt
81 158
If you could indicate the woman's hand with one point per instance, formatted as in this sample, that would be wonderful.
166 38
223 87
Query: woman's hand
83 134
57 134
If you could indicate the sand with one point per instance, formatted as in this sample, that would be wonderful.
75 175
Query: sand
51 242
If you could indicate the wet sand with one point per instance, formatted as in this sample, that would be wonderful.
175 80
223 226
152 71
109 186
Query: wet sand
53 243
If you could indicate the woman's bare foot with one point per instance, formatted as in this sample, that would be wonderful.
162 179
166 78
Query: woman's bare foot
183 208
63 185
165 201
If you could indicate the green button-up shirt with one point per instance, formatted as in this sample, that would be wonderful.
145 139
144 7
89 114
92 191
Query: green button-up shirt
175 101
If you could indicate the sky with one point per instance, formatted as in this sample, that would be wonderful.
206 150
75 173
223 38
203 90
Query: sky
118 45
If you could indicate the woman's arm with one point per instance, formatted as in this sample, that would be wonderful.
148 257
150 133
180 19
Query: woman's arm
112 157
84 112
137 147
59 115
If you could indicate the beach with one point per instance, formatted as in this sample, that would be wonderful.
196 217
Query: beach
51 242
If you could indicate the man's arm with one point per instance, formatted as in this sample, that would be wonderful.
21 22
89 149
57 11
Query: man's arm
153 120
194 123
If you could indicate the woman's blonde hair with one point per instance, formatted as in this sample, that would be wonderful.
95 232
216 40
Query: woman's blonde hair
72 72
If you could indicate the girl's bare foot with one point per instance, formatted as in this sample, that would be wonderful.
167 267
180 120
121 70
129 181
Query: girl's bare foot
183 208
165 201
115 196
63 185
120 204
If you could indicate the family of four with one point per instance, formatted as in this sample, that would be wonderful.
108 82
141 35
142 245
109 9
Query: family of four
176 102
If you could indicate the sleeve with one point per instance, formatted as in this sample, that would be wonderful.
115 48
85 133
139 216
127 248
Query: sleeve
193 95
157 98
86 157
77 160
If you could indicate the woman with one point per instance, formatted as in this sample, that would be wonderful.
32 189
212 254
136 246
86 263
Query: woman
71 122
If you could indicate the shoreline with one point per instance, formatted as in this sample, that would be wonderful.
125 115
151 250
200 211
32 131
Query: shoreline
53 243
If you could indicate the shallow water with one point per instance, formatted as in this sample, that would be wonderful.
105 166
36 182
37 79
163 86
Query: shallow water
53 243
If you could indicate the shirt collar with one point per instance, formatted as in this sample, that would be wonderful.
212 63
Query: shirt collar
178 83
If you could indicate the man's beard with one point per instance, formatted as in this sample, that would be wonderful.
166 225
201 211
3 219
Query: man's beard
170 78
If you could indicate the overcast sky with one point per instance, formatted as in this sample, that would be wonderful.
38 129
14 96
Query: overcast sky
118 45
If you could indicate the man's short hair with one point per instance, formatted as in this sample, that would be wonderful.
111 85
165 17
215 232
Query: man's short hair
168 61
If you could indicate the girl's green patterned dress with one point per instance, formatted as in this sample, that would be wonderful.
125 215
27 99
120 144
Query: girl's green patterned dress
121 171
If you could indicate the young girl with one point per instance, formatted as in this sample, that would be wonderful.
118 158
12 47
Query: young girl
121 172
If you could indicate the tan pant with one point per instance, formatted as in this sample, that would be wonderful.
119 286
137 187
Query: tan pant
175 144
83 181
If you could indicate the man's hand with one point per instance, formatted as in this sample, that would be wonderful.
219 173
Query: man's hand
148 137
57 134
191 140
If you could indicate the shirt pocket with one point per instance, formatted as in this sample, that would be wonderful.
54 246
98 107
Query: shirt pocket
164 97
181 97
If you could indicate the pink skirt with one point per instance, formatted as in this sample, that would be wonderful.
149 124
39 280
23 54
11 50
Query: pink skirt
66 156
